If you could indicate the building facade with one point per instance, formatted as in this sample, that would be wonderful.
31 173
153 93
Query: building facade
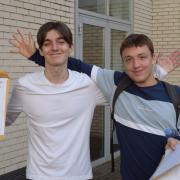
98 26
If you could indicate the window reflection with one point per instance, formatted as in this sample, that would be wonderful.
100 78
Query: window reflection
119 9
97 6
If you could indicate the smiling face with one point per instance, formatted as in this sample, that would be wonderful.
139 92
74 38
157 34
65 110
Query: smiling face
137 53
55 49
138 62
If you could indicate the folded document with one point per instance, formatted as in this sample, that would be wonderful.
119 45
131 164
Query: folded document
4 90
169 168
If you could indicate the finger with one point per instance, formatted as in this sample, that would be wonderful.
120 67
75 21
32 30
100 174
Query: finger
30 37
176 60
156 56
15 37
159 57
14 51
171 143
21 34
171 146
174 55
14 43
175 51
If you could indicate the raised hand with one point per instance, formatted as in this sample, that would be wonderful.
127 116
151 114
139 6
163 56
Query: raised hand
24 45
169 63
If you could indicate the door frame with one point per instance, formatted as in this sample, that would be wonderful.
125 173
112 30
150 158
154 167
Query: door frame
107 23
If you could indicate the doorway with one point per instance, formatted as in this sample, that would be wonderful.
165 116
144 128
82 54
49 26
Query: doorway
98 39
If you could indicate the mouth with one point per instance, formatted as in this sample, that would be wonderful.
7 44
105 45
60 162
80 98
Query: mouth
137 73
55 54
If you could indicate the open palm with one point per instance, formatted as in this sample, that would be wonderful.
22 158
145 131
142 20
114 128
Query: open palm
170 62
24 45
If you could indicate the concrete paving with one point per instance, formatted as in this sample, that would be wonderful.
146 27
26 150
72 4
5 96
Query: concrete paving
102 172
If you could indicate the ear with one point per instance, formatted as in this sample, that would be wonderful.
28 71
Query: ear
71 51
154 59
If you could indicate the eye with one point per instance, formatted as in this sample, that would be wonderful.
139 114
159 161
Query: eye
142 57
46 44
61 41
127 60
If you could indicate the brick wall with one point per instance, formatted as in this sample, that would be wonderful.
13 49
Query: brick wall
166 30
28 15
160 20
143 17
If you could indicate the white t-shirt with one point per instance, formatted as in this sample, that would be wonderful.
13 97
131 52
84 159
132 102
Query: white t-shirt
58 125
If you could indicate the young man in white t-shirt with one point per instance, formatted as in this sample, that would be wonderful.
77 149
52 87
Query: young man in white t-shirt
59 104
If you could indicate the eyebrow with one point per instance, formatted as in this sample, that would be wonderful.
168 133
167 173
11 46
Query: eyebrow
127 56
137 55
59 38
142 54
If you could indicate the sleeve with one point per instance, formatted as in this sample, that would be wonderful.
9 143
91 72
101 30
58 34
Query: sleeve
14 106
159 72
37 58
78 65
99 96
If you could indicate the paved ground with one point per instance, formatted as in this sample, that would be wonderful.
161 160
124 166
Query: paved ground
102 172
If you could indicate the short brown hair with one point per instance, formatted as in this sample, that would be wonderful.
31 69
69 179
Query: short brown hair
137 40
60 27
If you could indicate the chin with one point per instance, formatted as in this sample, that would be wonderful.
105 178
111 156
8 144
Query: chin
138 80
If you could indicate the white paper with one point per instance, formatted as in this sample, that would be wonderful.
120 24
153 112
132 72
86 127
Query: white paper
3 96
170 160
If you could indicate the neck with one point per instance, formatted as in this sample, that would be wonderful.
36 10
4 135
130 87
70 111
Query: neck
56 75
151 81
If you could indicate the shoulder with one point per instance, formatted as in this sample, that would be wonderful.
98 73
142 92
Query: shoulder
80 79
30 77
77 75
119 76
176 87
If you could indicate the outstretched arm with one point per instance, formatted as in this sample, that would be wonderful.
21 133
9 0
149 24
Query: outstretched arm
26 47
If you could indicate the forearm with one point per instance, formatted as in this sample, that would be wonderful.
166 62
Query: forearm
37 58
80 66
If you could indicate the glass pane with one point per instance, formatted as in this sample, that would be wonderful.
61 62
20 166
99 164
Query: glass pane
97 6
120 9
97 134
116 39
116 62
93 53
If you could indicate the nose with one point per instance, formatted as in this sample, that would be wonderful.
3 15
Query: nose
54 46
135 63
